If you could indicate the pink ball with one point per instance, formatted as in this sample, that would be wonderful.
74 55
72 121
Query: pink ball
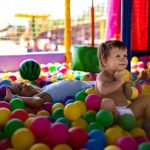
19 114
5 104
39 126
92 102
58 133
47 106
77 137
127 143
141 139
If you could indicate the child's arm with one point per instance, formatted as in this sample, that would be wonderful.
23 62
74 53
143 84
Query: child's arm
127 90
105 88
34 102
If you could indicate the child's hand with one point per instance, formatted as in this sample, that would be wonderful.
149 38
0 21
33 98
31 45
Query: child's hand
118 76
9 94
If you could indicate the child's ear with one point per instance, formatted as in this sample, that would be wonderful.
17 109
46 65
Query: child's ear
104 62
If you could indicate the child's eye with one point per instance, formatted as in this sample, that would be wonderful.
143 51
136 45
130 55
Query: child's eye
117 55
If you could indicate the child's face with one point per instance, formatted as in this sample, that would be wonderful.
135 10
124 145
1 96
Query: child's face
24 89
117 60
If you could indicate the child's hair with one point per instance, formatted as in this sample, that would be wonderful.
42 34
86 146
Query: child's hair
105 48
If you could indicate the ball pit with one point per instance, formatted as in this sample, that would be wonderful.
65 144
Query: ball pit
72 123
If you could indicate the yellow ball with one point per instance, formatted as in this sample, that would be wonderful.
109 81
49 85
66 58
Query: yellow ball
28 121
42 113
39 146
4 115
81 106
90 91
138 132
62 147
112 147
145 89
80 123
134 59
126 75
57 105
112 134
135 93
22 139
71 112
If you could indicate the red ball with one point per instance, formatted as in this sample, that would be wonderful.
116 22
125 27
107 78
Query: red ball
5 144
141 139
127 143
19 114
12 77
4 104
58 133
39 126
77 137
92 102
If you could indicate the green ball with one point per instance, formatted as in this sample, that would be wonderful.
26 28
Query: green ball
144 146
89 116
95 125
104 117
16 103
57 113
127 122
65 121
11 126
80 96
29 69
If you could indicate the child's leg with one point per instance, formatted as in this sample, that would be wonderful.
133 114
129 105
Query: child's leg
108 103
141 107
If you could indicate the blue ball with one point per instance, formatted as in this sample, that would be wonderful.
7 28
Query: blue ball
69 101
93 144
98 135
5 82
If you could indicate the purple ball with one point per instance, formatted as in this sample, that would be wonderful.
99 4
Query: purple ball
127 143
141 139
47 106
2 91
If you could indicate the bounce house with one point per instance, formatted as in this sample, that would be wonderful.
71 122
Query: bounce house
33 120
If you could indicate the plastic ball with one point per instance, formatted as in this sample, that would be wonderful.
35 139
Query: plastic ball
138 132
112 147
22 139
126 75
134 59
71 112
90 91
62 147
2 91
65 121
16 103
5 82
5 144
4 104
144 146
112 134
39 126
57 105
135 93
79 123
77 137
95 125
11 126
19 114
47 106
92 102
127 122
127 143
80 96
98 135
141 139
4 115
57 113
39 146
89 116
58 133
81 106
42 113
93 144
29 69
104 117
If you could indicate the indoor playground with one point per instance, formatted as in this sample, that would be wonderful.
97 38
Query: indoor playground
67 50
